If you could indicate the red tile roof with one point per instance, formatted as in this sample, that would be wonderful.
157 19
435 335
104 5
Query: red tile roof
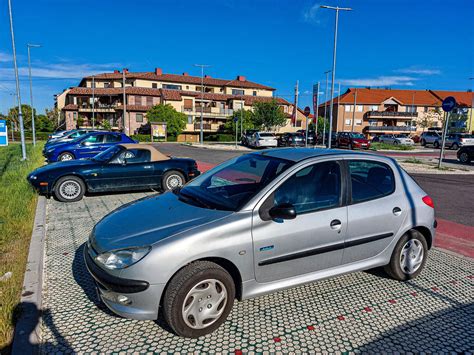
377 96
463 98
184 79
70 107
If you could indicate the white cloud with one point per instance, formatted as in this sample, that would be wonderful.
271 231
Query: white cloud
380 81
419 71
311 14
5 57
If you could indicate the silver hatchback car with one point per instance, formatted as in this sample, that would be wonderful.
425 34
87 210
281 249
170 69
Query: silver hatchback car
256 224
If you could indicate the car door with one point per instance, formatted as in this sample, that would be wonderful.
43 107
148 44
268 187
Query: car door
90 146
130 170
312 241
376 210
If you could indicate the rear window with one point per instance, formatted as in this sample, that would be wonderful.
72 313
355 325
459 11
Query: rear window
265 135
370 180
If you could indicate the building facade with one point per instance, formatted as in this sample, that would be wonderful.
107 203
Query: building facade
100 98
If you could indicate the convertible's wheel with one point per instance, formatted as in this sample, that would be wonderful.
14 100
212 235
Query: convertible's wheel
172 180
198 299
408 257
69 189
66 156
455 146
464 158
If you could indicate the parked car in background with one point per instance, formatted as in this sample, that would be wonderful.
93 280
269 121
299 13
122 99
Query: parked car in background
465 154
416 138
69 136
57 134
248 227
262 140
455 140
247 135
312 139
396 139
122 167
86 146
326 139
375 139
429 137
352 140
291 139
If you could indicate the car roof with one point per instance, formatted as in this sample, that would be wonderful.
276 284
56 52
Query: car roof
156 155
299 154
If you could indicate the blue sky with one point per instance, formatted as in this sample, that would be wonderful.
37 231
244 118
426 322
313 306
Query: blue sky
417 44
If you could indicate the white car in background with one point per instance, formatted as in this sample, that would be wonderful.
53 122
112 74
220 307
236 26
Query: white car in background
263 140
396 139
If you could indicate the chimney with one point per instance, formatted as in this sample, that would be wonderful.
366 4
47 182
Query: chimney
240 78
207 76
185 74
158 71
116 71
125 70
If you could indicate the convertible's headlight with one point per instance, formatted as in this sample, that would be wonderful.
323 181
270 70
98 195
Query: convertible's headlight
33 177
119 259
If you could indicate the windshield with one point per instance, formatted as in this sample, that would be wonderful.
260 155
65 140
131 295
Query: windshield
108 154
357 135
265 134
401 136
232 184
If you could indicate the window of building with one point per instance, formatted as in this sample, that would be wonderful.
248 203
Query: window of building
138 100
187 87
372 122
359 108
370 180
172 87
254 93
149 100
358 122
154 85
348 108
311 189
237 92
190 119
74 116
107 84
374 108
298 123
139 117
411 109
348 122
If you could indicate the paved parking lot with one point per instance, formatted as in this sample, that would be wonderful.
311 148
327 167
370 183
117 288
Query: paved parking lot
361 312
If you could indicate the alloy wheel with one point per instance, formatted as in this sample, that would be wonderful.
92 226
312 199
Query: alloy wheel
66 157
174 181
464 157
70 189
411 256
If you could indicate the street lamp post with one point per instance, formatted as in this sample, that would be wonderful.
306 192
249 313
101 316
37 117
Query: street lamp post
31 91
201 134
472 108
20 115
333 74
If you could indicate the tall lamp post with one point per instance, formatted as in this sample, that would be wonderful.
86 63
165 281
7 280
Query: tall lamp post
20 114
201 134
333 74
29 45
470 113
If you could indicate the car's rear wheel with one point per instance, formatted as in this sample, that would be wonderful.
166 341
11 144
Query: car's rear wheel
69 189
172 180
66 156
408 257
464 158
455 146
436 144
423 142
198 299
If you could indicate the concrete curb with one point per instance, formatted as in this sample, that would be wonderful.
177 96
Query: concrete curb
27 329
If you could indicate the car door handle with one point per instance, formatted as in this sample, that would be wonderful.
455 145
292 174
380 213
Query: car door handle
147 166
335 224
397 211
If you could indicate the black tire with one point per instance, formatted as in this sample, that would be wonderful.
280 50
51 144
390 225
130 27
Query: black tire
436 144
69 189
66 156
423 143
455 146
177 291
394 269
464 158
172 180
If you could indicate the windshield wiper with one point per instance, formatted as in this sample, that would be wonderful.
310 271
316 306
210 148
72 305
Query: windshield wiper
187 198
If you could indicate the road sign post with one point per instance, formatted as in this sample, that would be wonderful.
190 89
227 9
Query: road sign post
307 112
448 105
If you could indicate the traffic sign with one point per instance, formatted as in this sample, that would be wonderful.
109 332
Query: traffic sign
448 104
236 119
3 133
307 111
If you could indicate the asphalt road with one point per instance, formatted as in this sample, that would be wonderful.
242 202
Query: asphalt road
453 194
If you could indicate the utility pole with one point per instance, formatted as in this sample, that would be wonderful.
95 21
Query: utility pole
333 74
242 116
445 131
470 112
325 105
93 102
201 134
337 107
316 115
412 109
12 122
353 113
31 91
124 100
18 95
295 111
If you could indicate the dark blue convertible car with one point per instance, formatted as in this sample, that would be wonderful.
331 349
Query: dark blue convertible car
123 167
85 146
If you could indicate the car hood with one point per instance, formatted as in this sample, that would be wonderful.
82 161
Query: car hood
147 221
360 140
66 165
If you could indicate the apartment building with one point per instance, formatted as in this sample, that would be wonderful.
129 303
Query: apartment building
101 98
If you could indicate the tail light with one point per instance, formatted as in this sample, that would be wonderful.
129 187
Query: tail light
428 201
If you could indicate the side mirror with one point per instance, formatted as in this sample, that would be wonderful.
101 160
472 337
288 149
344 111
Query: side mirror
283 211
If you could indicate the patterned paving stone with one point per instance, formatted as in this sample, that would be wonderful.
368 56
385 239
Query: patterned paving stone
356 313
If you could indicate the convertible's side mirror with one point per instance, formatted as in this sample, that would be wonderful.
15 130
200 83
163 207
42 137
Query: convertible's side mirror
283 211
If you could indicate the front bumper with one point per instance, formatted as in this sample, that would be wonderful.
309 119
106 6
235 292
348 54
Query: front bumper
143 299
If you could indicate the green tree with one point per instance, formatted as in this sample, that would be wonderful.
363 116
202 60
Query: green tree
268 115
247 122
44 124
320 125
25 111
106 125
175 121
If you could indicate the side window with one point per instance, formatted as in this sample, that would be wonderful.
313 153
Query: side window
314 188
370 180
95 139
133 156
112 138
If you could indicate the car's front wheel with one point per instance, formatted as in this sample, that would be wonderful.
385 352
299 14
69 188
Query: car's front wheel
436 144
66 156
455 146
198 299
172 180
464 158
69 189
408 257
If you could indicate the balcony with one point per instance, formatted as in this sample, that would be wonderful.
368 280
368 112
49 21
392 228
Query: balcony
392 114
390 128
99 107
208 111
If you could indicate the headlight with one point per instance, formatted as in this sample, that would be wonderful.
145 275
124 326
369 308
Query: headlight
33 177
120 259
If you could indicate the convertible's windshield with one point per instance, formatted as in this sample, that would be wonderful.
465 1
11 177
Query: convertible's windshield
108 154
232 184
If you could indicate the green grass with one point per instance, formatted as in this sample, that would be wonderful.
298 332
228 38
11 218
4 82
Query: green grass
385 146
17 210
413 161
